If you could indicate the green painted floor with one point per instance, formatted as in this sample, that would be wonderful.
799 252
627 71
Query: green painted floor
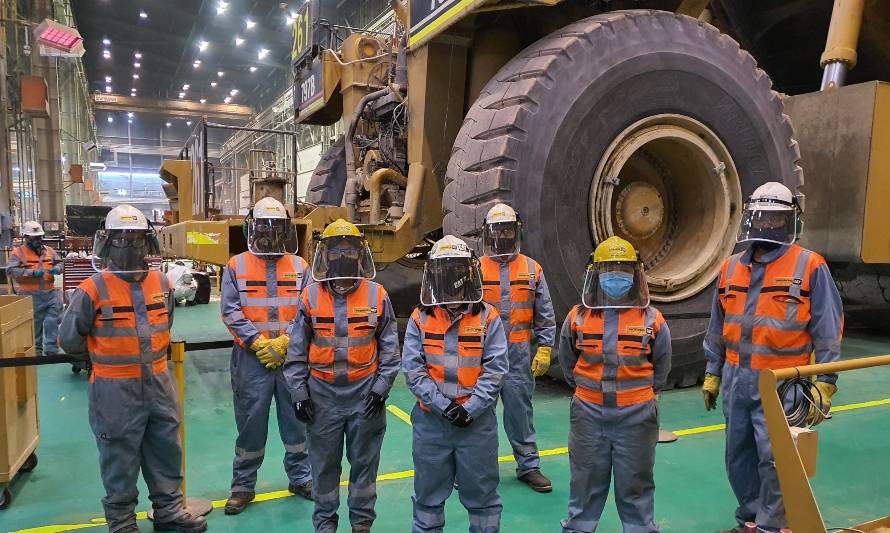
64 492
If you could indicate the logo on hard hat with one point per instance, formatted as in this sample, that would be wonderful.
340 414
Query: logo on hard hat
129 218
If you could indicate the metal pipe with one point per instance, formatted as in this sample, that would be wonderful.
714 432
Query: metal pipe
353 124
831 368
380 176
840 46
242 128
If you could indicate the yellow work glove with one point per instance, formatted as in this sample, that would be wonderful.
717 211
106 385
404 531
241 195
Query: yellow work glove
711 389
541 361
818 413
272 355
259 343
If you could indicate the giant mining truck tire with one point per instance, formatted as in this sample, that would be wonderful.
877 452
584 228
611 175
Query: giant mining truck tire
328 181
644 124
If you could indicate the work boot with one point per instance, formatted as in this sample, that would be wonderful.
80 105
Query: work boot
238 501
537 481
184 523
303 491
129 529
361 529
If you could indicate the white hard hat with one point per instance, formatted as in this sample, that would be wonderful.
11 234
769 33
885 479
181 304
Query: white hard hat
32 229
450 246
269 207
126 217
500 213
772 196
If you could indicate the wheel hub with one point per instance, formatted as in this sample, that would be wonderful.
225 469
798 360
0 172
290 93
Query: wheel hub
639 210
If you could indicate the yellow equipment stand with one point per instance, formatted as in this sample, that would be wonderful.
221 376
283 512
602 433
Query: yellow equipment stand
800 503
194 506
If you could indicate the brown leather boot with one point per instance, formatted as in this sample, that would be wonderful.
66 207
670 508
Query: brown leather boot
537 481
238 501
303 491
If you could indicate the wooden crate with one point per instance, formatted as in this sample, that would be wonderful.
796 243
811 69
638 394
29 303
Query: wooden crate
19 428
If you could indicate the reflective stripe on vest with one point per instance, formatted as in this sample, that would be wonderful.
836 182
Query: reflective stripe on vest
269 291
510 288
453 351
131 330
30 260
344 341
615 367
767 314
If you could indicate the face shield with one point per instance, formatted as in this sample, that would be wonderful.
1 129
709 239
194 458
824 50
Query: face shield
500 238
343 257
769 221
615 285
124 251
451 280
271 237
34 242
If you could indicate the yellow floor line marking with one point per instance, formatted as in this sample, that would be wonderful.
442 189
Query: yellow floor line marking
401 415
406 474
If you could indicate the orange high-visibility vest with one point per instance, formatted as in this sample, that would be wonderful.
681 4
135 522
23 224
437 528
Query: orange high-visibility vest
31 260
524 274
455 374
270 304
129 330
615 377
334 357
777 334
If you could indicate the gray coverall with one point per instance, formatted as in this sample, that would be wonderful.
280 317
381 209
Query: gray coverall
607 440
135 421
254 385
443 452
47 300
749 456
519 383
339 408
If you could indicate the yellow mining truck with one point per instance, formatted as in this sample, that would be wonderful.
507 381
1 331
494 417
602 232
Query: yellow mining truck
640 118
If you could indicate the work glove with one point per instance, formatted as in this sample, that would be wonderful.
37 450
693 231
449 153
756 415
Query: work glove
305 410
541 361
818 412
55 271
37 272
273 353
373 404
259 342
457 415
711 389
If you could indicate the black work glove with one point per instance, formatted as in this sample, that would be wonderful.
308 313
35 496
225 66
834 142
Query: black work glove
373 404
457 415
304 410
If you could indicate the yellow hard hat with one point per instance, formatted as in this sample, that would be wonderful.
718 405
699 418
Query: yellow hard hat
341 228
614 249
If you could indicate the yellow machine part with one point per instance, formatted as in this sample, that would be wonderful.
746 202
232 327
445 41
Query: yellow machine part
177 173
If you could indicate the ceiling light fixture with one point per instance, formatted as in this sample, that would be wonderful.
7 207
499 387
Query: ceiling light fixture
135 76
213 84
129 121
106 41
108 88
203 45
106 54
110 119
239 41
252 69
220 74
138 55
249 23
203 100
188 122
130 114
168 124
182 95
186 87
221 7
233 92
143 15
263 53
107 79
227 99
137 64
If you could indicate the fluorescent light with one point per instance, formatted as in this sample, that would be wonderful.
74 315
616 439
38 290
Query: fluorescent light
186 87
129 121
110 119
263 53
233 92
227 99
130 114
108 88
188 122
107 79
221 7
203 100
135 76
169 124
106 41
182 95
239 41
203 45
133 92
143 15
213 84
252 69
220 74
249 23
137 64
106 54
138 55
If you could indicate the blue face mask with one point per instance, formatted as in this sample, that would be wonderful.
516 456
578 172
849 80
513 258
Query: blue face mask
616 285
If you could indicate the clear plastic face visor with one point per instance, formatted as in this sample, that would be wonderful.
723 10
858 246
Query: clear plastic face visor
126 251
272 237
343 258
451 280
615 285
501 239
768 224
